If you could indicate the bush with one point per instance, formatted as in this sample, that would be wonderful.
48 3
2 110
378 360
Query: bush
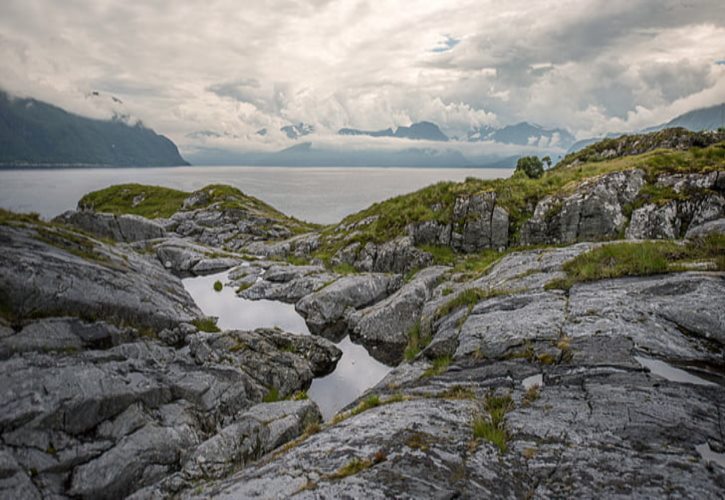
218 286
532 166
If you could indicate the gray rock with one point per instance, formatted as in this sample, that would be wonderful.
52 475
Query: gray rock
325 310
716 226
593 212
55 272
184 257
398 256
124 228
383 327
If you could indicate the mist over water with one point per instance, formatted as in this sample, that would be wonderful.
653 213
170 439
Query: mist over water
316 194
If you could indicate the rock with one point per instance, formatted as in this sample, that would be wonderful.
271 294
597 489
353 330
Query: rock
716 226
478 223
324 311
184 257
285 283
383 327
398 256
125 228
64 334
302 245
593 212
655 222
102 424
53 272
585 351
258 431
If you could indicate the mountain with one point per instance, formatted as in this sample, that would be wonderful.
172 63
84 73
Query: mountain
697 120
294 131
422 131
711 118
308 155
36 133
524 134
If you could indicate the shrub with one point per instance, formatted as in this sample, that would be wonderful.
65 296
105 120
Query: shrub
218 286
207 324
531 166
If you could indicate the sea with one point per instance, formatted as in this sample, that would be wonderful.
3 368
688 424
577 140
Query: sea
316 194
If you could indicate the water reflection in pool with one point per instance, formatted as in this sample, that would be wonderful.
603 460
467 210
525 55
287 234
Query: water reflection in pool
355 372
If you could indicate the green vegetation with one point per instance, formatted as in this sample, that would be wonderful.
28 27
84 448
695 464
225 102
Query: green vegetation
344 269
206 325
354 466
370 402
518 195
440 365
531 395
457 392
469 298
218 286
644 258
243 287
272 396
530 166
299 396
416 342
155 201
492 427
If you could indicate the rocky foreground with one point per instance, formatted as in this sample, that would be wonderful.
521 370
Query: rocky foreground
584 367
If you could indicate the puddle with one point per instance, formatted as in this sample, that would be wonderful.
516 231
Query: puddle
355 372
710 456
671 373
533 380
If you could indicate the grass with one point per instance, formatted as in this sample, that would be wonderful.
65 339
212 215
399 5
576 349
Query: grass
492 427
416 342
206 325
243 287
439 366
468 298
272 396
156 201
531 394
518 195
643 258
371 401
354 466
299 396
218 286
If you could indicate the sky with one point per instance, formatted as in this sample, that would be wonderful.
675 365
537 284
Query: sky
218 71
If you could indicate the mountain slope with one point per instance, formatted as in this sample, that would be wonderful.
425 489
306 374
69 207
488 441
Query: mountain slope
524 134
711 118
36 133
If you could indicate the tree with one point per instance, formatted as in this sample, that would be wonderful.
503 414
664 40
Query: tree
547 160
531 166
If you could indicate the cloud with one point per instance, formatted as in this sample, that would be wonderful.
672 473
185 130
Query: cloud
185 67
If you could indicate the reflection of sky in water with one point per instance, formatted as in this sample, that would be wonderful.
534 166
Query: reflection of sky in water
356 371
671 373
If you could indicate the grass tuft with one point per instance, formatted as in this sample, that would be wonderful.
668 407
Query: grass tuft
207 324
218 286
439 366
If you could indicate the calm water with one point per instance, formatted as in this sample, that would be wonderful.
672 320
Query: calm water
323 195
355 372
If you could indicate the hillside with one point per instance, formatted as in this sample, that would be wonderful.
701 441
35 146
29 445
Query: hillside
34 133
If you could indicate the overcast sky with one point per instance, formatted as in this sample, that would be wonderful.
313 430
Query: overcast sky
232 67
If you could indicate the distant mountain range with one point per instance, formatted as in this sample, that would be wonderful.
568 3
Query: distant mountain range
33 133
421 131
710 118
524 134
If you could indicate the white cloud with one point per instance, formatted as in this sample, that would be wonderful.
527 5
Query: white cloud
182 67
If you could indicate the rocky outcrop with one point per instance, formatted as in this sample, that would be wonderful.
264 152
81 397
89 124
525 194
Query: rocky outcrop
383 328
697 200
124 228
103 423
326 310
399 255
477 223
186 258
630 368
49 270
595 211
279 281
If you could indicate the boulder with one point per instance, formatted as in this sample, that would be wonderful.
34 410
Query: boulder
383 328
124 228
325 310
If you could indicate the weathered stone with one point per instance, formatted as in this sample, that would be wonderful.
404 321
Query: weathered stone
383 327
324 311
125 228
595 211
49 276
